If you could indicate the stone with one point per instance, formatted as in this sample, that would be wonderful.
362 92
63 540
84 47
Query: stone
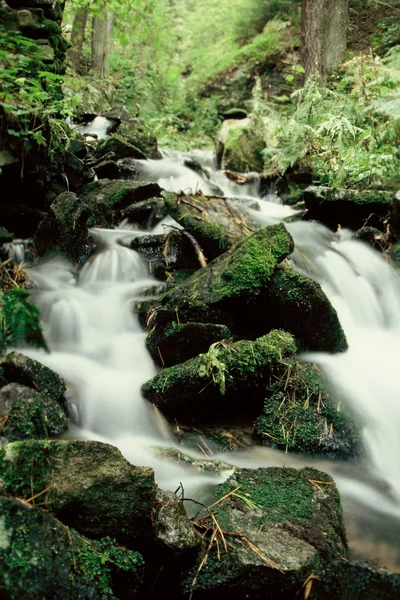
282 527
243 146
89 486
5 236
147 214
64 230
180 341
215 223
41 558
226 383
300 414
347 208
21 369
117 147
29 414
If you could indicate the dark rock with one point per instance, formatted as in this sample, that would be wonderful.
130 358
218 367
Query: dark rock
76 171
348 208
179 342
212 386
363 581
20 219
119 147
30 415
64 230
19 368
372 236
92 487
301 415
5 236
214 222
77 147
41 558
283 527
107 169
394 216
147 213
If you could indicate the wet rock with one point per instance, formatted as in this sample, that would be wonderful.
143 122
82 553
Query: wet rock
212 386
301 415
372 236
180 341
347 208
19 368
136 132
76 171
146 213
298 304
282 528
77 147
92 487
106 198
118 147
174 533
107 169
64 230
243 144
224 290
29 414
214 222
41 558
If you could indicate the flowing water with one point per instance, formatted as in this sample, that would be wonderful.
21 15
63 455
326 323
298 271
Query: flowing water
98 346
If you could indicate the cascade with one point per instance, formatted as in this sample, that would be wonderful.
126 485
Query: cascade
98 345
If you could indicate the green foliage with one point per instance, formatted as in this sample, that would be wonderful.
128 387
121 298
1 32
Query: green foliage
212 366
347 132
19 320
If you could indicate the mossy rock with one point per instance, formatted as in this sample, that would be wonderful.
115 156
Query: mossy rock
301 415
348 208
215 223
229 285
243 147
282 528
180 341
5 236
394 254
118 147
29 414
64 230
21 369
88 485
298 304
211 388
362 581
107 198
41 558
371 236
146 213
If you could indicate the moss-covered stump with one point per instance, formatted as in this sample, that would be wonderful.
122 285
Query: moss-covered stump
21 369
27 414
243 147
301 415
64 230
116 147
180 341
87 485
214 222
348 208
107 198
41 558
228 381
226 290
283 529
296 303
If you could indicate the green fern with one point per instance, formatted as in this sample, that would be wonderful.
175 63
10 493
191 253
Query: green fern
19 320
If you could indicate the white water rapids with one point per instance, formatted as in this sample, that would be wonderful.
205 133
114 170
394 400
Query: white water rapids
98 345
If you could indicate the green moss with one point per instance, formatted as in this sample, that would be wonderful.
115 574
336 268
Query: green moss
40 419
300 415
243 149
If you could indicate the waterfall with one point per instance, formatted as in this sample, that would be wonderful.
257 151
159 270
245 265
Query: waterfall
98 345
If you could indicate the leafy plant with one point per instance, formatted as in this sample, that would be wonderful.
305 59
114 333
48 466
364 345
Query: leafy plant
19 320
214 367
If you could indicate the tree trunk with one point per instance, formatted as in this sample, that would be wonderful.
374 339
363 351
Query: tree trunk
324 33
100 42
78 37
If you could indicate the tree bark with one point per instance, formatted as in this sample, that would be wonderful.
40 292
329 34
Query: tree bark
78 37
100 45
324 33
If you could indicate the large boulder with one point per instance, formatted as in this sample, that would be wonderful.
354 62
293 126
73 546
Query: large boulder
87 485
243 143
301 415
347 208
273 533
229 380
214 222
116 147
41 558
64 229
21 369
27 414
